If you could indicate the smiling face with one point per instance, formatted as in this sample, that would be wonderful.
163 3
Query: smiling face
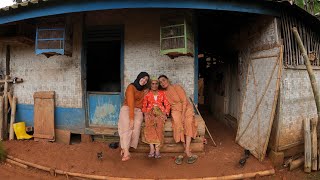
164 82
154 85
143 81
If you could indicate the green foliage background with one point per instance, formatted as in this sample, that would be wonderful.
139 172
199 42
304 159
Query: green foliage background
316 5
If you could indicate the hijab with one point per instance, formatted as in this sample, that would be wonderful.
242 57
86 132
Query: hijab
136 82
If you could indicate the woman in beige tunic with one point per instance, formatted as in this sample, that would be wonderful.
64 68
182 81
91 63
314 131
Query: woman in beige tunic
183 124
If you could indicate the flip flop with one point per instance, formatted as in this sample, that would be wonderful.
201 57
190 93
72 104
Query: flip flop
192 159
178 160
157 156
125 158
150 155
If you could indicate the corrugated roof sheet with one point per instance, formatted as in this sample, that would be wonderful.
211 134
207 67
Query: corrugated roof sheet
22 4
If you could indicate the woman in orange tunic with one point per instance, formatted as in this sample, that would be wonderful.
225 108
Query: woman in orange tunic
155 108
131 117
183 124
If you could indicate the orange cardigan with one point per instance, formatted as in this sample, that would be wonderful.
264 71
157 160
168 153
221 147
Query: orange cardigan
133 99
149 102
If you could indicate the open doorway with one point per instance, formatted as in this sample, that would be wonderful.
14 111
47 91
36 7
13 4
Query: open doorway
104 75
103 66
239 62
219 46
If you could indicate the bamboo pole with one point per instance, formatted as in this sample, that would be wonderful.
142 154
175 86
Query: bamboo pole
214 143
296 163
16 163
30 164
314 146
307 146
1 118
309 69
89 176
310 73
13 117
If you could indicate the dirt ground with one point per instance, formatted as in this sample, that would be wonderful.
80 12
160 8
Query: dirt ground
82 158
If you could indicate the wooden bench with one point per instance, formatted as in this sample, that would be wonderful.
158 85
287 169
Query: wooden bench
170 146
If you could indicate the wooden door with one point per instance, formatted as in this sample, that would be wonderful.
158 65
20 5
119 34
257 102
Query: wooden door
44 115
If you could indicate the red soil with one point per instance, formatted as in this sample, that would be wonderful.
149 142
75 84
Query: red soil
82 158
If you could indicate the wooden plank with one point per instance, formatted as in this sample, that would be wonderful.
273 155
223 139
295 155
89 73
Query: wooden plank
307 146
314 145
171 148
101 131
44 94
44 115
13 117
10 98
86 138
5 116
170 140
6 107
62 136
263 77
18 80
288 40
43 136
198 118
1 118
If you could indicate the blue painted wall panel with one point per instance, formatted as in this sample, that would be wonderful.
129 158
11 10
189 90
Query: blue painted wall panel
80 6
24 113
104 109
65 118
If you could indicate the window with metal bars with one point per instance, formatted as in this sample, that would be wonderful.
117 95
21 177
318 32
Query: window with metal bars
50 40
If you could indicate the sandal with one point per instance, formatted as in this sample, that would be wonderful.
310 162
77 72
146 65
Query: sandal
125 158
192 159
157 156
150 155
178 160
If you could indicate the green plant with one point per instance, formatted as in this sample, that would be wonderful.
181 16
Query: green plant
302 3
3 153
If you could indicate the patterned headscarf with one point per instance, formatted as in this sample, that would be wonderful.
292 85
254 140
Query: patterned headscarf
153 78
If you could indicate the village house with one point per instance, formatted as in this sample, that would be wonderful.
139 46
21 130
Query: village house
87 52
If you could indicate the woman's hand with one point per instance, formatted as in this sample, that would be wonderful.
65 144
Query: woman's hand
131 125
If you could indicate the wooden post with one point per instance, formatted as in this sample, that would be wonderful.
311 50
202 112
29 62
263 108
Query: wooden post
314 146
307 146
8 60
1 118
6 107
13 116
309 69
10 98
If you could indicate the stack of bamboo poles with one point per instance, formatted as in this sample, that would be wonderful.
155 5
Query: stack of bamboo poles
311 158
6 102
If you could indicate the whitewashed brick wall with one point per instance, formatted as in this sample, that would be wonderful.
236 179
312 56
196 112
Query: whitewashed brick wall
57 73
296 103
142 47
62 74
